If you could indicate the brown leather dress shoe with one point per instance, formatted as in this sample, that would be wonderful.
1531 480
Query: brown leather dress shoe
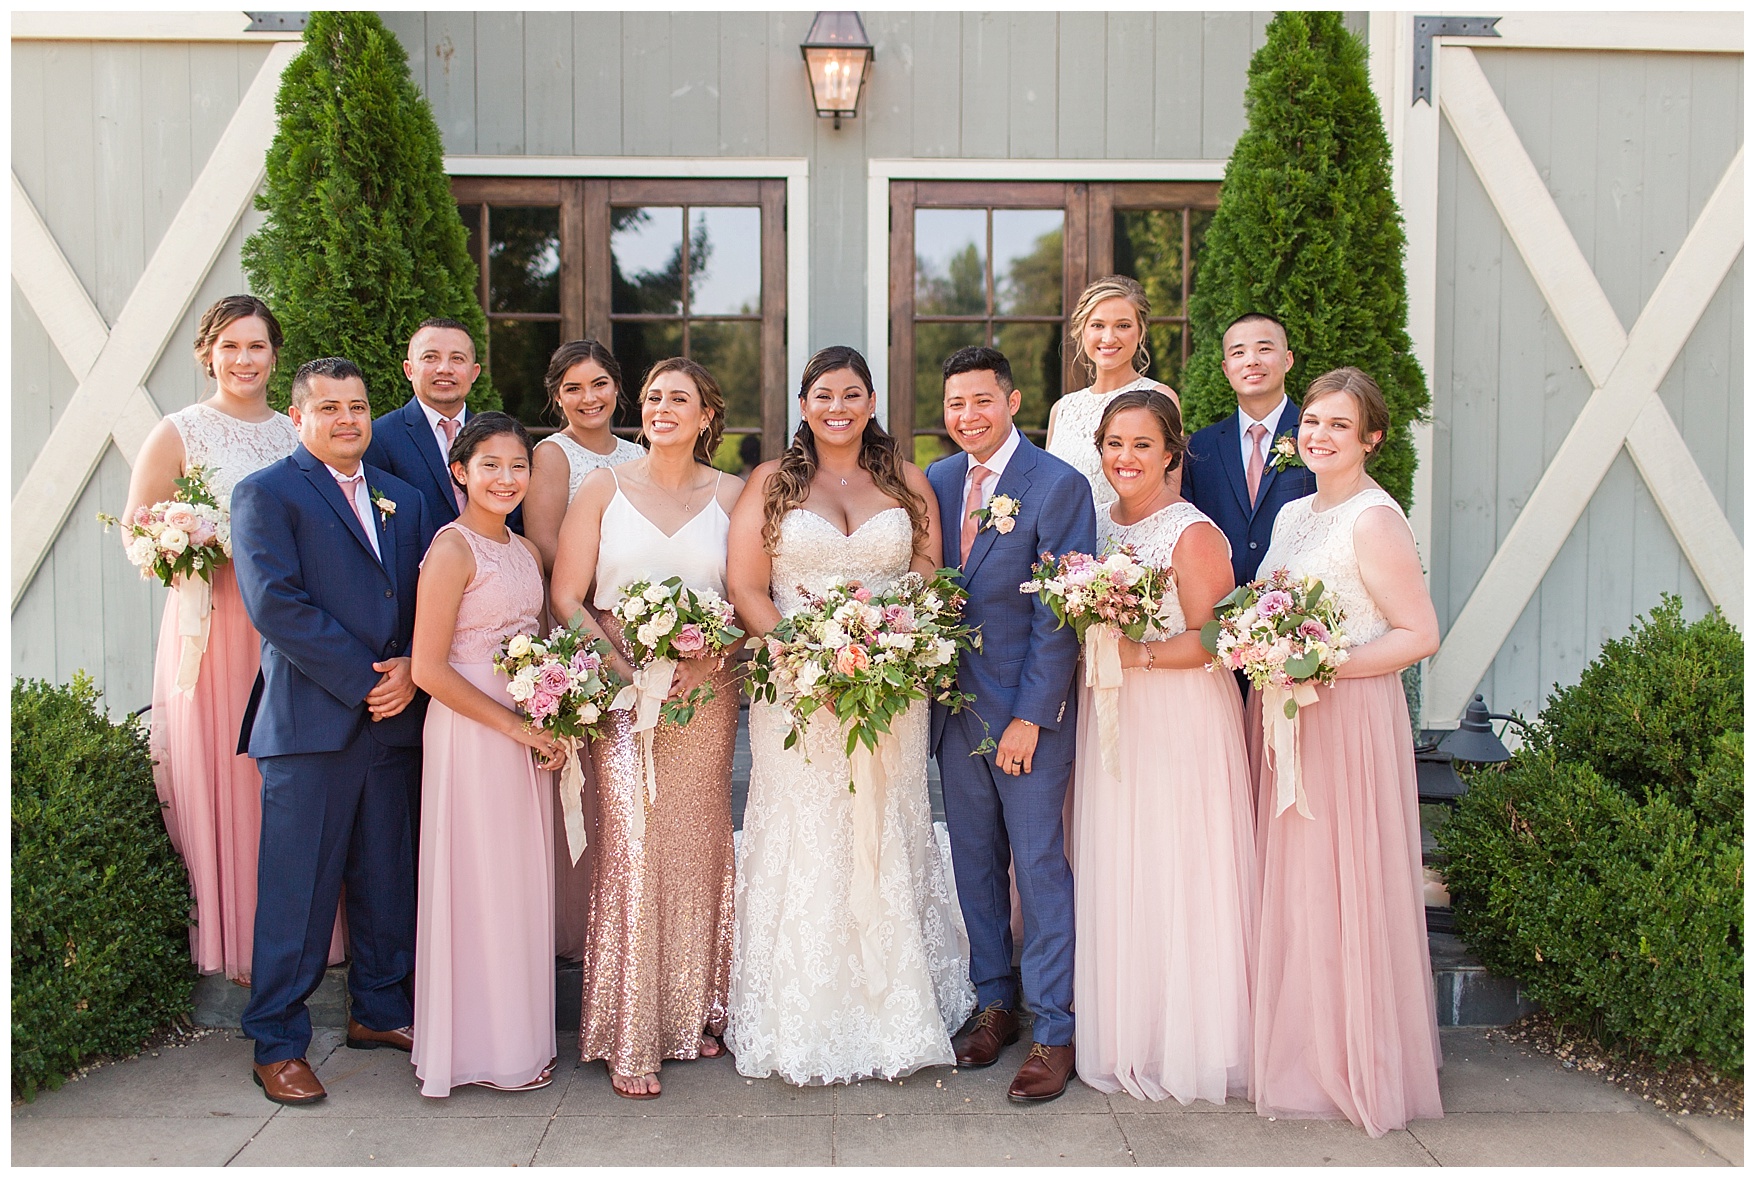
289 1081
995 1029
365 1039
1044 1074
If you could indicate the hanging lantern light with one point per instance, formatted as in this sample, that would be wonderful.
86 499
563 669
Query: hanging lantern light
837 55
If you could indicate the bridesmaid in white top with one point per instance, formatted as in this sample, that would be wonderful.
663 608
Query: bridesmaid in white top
1109 331
658 950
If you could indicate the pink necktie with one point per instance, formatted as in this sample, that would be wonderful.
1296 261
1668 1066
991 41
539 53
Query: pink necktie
350 492
449 425
971 526
1257 432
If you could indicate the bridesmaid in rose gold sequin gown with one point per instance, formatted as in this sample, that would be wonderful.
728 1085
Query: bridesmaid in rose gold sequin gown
658 946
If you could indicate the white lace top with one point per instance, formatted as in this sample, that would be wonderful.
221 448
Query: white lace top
227 449
1075 429
1154 542
1312 543
814 554
581 462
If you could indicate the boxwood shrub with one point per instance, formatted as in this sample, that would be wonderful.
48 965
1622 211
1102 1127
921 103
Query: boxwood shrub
1603 866
100 900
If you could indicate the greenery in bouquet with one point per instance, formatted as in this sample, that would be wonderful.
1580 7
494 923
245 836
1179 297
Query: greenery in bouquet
563 682
668 620
1115 590
187 535
1280 631
866 656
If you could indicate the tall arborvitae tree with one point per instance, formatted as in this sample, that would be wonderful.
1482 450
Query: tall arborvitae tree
363 239
1308 230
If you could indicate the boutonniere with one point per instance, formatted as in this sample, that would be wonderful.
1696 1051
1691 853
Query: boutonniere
1285 453
386 506
1000 514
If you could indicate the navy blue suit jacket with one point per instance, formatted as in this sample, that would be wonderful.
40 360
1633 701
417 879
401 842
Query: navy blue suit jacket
403 443
1025 667
1213 480
326 607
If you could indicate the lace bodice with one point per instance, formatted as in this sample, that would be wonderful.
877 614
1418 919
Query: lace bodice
503 598
228 449
814 554
1315 543
1154 542
1075 428
632 548
581 462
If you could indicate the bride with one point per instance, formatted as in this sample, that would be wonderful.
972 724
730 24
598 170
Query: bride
807 1002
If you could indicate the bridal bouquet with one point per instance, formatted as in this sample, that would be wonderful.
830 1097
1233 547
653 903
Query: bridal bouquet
665 622
181 541
1102 599
565 685
1284 634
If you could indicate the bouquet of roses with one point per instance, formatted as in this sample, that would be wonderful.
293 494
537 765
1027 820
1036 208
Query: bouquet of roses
665 622
181 541
866 656
565 685
1284 634
1102 599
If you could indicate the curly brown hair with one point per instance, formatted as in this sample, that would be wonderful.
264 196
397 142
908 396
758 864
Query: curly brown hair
789 485
712 401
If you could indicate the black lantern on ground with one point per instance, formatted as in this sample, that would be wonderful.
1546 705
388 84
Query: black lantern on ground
838 55
1474 739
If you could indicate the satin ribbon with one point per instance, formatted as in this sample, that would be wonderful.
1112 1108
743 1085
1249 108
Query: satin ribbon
652 682
194 617
1280 734
572 787
1103 677
871 771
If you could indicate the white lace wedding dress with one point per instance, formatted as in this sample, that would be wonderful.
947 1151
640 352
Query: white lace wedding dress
803 1003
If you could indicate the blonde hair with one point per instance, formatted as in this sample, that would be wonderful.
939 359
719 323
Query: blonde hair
1113 286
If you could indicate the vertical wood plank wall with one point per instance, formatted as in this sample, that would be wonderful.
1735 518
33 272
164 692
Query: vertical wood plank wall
1631 145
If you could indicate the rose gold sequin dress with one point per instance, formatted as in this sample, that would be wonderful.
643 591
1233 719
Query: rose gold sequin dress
658 953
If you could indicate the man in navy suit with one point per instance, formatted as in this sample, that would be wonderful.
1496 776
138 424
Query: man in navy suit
414 442
327 551
1228 472
1004 806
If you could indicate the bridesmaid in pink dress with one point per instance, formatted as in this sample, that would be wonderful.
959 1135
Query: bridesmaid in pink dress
484 970
1165 861
1345 1024
211 793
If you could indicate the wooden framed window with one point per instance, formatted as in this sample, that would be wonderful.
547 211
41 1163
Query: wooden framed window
1003 264
654 268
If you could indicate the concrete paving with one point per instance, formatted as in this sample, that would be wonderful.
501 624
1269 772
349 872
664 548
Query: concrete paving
195 1105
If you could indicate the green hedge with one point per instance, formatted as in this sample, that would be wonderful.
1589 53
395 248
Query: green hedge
1603 866
100 900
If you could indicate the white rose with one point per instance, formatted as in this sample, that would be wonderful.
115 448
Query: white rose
520 690
834 636
999 507
647 635
656 592
588 713
518 647
806 676
1004 524
141 550
664 623
173 540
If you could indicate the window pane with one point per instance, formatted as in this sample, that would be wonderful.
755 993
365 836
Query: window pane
932 343
950 262
1164 341
1198 220
725 261
471 217
1027 260
645 248
1034 350
518 352
1148 246
524 259
732 352
637 347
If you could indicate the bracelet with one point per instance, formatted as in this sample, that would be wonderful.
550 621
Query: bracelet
720 666
1151 658
1026 723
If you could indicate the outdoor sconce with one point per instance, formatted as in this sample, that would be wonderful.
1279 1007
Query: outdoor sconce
837 55
1473 740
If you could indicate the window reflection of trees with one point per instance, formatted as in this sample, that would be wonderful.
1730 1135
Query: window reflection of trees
1149 246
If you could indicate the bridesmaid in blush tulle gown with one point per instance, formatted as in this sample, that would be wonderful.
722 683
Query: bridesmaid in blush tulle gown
1345 1024
212 794
484 976
1165 861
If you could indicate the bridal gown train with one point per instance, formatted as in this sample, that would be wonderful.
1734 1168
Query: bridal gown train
803 1003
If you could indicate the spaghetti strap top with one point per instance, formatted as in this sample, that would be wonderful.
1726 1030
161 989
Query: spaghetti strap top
632 548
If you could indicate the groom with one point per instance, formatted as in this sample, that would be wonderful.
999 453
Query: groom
1004 806
327 551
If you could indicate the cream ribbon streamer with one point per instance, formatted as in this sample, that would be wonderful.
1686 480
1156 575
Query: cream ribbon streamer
871 771
1103 677
1280 734
572 787
652 681
194 617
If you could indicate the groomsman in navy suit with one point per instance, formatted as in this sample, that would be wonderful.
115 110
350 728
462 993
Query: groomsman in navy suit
414 442
327 550
1228 472
1004 806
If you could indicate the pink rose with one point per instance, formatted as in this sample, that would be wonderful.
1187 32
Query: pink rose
1273 603
862 595
852 659
553 679
899 618
689 641
1313 629
142 515
202 535
542 705
182 517
586 660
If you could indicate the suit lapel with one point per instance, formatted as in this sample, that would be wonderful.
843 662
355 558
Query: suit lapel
943 477
427 443
1288 424
330 492
1231 458
1014 482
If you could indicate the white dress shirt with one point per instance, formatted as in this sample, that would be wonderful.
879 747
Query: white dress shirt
434 417
996 463
362 500
1270 423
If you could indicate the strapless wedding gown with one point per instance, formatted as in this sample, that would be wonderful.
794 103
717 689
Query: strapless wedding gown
804 1005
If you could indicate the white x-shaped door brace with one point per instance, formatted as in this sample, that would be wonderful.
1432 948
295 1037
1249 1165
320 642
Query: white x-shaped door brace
1625 369
111 363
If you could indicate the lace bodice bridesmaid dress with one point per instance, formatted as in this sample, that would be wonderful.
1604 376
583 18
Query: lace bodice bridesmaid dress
1075 427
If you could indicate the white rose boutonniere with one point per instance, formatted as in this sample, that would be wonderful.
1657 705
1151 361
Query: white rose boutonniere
1285 453
386 506
1000 514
